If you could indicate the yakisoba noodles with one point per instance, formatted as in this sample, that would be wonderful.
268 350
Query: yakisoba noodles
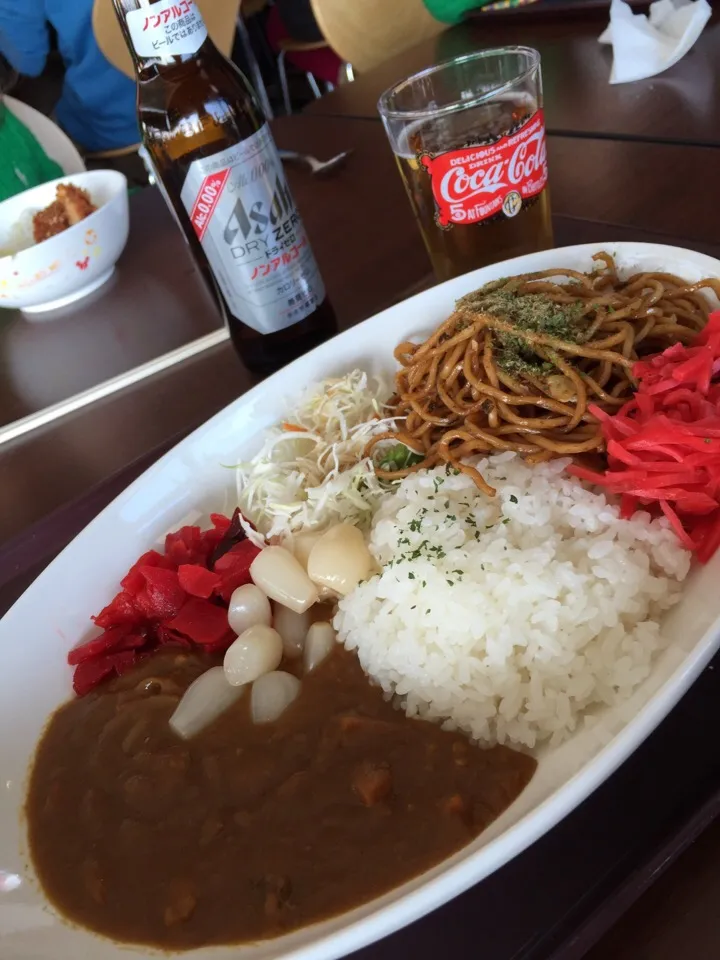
519 361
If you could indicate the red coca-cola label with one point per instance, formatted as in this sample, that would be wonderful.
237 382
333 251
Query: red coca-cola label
207 199
475 183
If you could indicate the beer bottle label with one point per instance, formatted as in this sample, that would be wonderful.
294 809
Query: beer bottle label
477 182
244 216
167 28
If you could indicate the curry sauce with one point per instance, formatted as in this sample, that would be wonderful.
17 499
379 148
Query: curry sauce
248 831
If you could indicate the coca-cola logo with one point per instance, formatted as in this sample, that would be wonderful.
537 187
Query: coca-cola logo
474 183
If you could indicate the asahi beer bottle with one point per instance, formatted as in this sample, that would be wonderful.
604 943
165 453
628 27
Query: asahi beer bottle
215 160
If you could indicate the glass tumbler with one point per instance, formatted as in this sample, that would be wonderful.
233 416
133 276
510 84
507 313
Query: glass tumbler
469 139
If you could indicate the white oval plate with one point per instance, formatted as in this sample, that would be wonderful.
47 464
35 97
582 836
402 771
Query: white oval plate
188 482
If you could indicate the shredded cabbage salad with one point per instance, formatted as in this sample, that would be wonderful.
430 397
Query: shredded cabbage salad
311 471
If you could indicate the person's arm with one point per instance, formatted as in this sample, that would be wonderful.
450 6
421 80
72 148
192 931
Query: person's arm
24 38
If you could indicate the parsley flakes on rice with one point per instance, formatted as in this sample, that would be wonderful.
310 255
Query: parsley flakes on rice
509 617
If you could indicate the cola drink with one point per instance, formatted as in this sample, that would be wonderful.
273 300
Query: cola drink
475 174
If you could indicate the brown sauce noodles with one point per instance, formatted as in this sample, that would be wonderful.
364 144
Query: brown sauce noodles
517 364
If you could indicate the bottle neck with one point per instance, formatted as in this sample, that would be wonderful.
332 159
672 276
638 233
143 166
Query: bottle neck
161 33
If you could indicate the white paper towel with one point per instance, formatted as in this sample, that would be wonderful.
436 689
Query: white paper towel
643 46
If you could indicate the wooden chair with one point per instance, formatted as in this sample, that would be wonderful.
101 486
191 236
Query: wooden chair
252 7
364 33
288 45
315 58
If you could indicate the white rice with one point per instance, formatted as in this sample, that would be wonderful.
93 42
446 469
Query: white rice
509 617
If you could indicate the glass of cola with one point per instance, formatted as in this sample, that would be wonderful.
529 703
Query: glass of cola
469 139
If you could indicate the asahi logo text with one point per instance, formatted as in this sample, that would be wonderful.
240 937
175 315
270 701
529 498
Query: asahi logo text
254 227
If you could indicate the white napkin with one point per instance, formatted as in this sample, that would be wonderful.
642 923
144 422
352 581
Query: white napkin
643 46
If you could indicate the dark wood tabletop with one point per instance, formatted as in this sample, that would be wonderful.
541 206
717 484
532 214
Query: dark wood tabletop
651 819
45 362
616 181
680 105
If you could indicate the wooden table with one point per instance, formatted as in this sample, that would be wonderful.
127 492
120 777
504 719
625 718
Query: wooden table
371 255
681 105
604 188
99 337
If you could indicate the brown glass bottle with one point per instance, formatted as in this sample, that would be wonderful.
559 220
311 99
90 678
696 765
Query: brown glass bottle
215 160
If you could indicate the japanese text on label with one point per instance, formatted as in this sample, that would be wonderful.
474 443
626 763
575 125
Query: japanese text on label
167 28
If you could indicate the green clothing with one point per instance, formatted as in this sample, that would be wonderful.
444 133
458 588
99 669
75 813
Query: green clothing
23 162
451 11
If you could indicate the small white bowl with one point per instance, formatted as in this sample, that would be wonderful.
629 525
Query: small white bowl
43 276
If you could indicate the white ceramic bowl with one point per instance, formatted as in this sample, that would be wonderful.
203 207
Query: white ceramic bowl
183 487
72 264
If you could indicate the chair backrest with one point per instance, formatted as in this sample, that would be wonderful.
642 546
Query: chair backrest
367 32
220 17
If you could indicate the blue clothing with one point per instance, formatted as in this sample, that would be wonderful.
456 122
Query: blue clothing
97 107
